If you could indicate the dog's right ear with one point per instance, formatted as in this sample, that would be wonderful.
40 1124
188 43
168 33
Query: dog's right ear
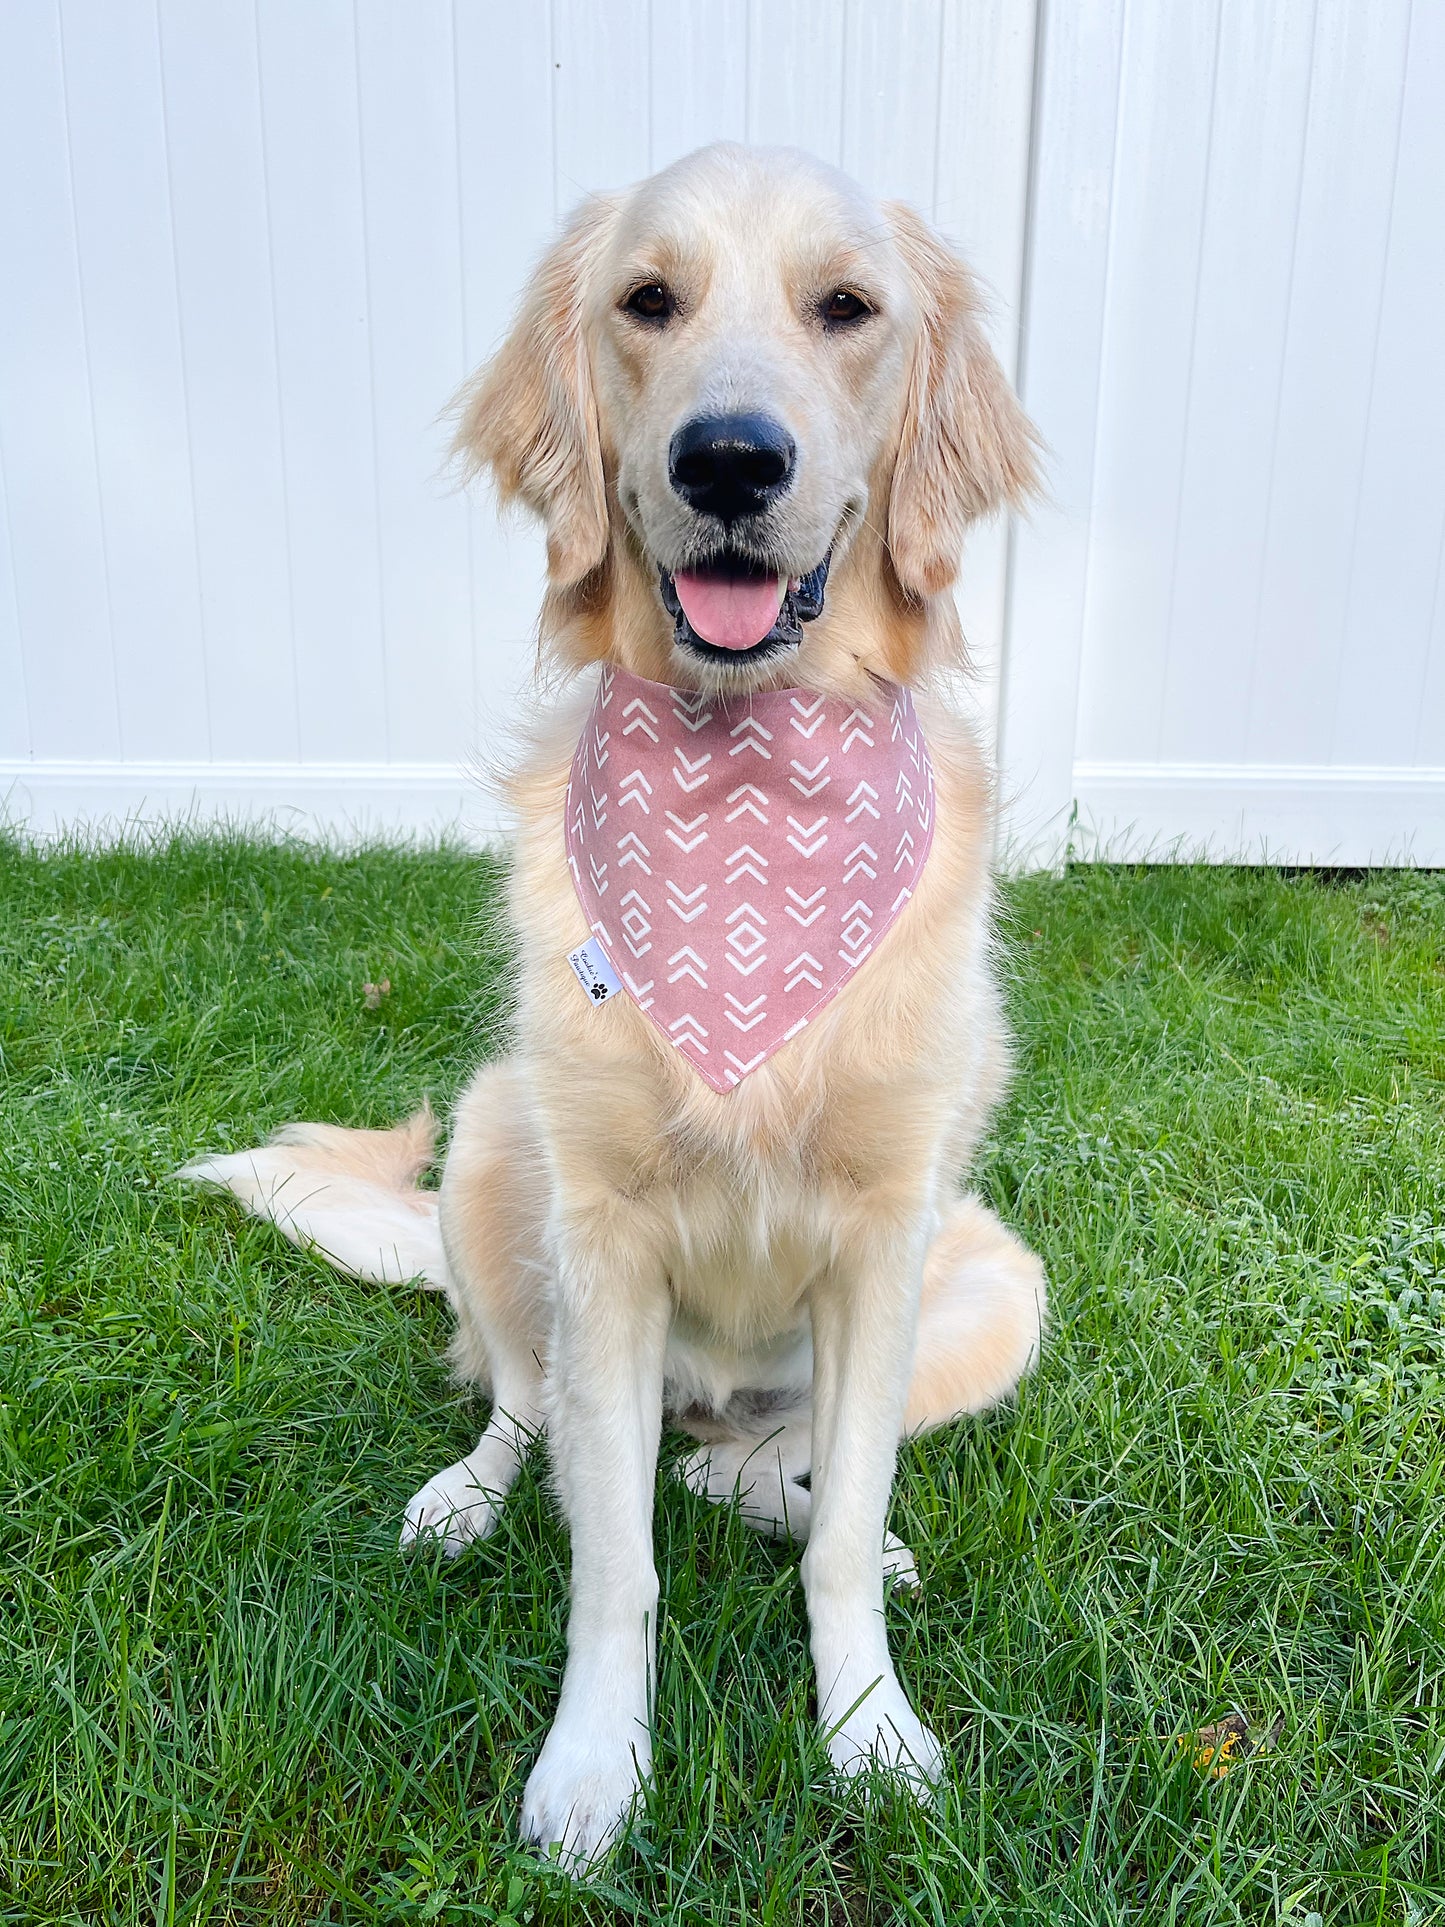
529 416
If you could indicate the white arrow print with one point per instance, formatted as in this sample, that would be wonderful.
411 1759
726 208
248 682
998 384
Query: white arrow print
903 790
689 964
687 836
905 851
807 841
750 862
855 727
637 852
742 1068
599 875
807 903
753 737
690 712
634 789
696 773
690 898
864 797
642 719
599 806
809 716
808 782
600 740
743 1015
753 799
804 968
687 1030
858 860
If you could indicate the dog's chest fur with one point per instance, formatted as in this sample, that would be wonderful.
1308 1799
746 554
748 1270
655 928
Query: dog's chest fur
742 1193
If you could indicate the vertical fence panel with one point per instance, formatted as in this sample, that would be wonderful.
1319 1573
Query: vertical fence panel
981 190
796 51
217 176
602 106
310 110
1162 155
1346 195
132 328
414 301
1399 543
504 90
892 83
698 65
1073 163
47 429
1261 98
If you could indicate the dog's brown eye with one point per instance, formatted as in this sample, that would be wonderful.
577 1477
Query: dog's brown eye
651 302
843 305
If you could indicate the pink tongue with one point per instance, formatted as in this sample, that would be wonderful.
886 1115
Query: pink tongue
730 612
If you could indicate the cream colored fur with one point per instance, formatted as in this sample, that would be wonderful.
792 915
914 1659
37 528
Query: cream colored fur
788 1269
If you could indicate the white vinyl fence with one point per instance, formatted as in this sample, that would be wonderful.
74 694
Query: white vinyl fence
248 250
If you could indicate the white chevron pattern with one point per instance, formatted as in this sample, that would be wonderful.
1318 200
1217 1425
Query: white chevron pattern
725 880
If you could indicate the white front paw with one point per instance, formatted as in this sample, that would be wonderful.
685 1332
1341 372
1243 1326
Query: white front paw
581 1790
451 1509
882 1733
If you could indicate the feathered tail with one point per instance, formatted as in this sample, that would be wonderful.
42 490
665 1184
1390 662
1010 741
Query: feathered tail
350 1196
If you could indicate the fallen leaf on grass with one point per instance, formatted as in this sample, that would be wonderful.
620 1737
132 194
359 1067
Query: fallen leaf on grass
372 994
1218 1747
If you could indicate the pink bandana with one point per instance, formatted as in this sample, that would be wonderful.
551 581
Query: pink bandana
739 859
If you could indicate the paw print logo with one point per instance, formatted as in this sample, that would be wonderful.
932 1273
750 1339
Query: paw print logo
599 993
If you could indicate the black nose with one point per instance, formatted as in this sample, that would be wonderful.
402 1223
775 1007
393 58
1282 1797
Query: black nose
731 465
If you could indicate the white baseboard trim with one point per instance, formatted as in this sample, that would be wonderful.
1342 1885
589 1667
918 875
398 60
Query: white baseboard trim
1350 815
334 802
1165 812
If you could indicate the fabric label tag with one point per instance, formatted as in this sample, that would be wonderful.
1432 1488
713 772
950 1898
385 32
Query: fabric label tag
593 971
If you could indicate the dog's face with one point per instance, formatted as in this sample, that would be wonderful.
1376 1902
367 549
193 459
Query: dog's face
750 331
719 379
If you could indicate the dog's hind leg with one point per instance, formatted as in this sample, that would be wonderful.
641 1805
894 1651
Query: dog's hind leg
980 1318
762 1474
493 1217
980 1321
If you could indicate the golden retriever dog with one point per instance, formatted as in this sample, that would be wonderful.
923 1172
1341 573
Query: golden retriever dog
756 413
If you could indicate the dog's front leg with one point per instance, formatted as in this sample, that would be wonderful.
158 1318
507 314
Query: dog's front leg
864 1315
613 1313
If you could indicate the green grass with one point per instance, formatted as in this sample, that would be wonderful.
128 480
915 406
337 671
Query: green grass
224 1696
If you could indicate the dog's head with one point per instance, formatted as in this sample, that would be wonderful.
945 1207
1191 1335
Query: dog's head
733 387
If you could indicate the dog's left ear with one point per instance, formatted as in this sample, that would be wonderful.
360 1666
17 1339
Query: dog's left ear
530 416
965 448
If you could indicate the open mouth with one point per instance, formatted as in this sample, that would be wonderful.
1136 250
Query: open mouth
732 611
